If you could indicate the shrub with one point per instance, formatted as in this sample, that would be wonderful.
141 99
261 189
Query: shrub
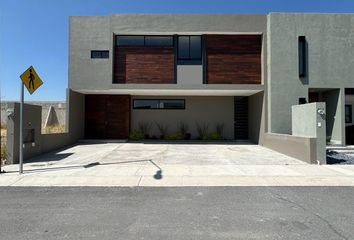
163 130
144 128
202 130
175 136
183 128
213 136
3 152
219 128
136 135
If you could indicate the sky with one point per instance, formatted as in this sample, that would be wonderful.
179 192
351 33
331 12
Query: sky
35 32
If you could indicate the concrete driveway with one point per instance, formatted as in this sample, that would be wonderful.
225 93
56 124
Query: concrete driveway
177 164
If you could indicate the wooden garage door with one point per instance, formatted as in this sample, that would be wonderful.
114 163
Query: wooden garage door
107 116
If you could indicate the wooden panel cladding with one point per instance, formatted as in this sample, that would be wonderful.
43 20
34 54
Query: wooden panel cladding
234 59
107 116
144 65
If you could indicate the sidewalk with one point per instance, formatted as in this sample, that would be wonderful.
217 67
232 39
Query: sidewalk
172 175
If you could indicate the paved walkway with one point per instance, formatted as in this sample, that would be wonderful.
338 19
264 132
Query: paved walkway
161 164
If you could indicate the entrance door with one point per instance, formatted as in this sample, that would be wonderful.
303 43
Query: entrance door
241 117
107 116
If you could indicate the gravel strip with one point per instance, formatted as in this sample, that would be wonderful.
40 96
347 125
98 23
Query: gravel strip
334 157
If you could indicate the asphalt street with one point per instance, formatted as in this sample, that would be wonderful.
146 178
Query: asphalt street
177 213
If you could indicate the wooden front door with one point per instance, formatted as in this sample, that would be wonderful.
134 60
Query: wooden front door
107 116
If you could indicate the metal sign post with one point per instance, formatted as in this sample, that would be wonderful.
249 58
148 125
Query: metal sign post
21 130
32 81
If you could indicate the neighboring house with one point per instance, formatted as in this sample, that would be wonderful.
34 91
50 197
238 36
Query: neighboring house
242 71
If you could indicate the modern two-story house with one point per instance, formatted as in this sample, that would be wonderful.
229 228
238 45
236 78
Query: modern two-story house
243 72
284 81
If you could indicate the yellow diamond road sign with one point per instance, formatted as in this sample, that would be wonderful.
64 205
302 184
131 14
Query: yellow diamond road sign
31 80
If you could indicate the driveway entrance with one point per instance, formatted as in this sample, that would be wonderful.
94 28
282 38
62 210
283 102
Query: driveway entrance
175 164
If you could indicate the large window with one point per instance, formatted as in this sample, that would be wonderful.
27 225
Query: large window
348 114
99 54
147 41
189 48
159 104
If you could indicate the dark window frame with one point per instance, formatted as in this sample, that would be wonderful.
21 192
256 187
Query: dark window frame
350 119
189 60
144 45
159 108
101 52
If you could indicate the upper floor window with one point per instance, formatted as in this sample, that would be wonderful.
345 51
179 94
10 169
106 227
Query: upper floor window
190 49
99 54
147 41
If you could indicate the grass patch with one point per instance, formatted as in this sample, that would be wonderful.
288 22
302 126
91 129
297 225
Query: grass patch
53 129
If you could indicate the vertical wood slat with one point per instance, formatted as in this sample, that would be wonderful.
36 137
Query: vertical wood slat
107 116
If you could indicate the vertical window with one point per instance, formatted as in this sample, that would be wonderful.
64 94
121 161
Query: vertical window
99 54
183 47
348 114
302 56
190 49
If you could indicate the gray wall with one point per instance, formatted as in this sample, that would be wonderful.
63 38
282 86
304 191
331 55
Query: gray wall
330 40
210 110
256 116
31 120
302 148
96 33
44 142
76 115
335 115
308 122
59 107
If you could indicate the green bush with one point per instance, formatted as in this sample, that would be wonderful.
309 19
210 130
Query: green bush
213 136
136 135
202 130
145 128
175 136
163 130
183 128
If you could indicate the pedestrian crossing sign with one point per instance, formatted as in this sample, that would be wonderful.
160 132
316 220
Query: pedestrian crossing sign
31 80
